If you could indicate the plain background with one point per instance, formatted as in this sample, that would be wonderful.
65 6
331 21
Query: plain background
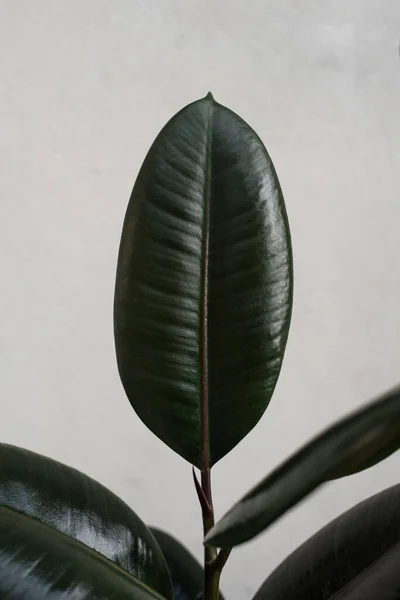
85 87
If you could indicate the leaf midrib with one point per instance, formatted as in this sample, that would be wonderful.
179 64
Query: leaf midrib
205 433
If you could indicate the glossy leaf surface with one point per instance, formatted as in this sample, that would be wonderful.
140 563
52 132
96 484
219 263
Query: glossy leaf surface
204 284
78 506
355 557
186 572
351 445
39 563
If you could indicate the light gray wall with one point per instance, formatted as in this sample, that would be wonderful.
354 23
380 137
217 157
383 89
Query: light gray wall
85 87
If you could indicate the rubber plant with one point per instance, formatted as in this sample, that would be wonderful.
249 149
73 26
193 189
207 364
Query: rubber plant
203 302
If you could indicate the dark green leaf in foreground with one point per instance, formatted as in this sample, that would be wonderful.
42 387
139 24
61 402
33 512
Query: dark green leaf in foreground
204 284
355 443
39 563
187 574
78 506
355 557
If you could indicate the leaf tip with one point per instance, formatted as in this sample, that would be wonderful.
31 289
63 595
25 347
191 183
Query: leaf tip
209 97
209 540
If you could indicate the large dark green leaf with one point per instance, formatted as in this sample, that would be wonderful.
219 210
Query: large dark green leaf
355 557
204 284
38 562
351 445
78 506
187 574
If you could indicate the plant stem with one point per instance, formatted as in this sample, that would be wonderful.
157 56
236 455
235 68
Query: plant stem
211 578
220 560
213 561
211 582
208 514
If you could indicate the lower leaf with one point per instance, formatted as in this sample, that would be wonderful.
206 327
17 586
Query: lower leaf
81 508
39 563
355 557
